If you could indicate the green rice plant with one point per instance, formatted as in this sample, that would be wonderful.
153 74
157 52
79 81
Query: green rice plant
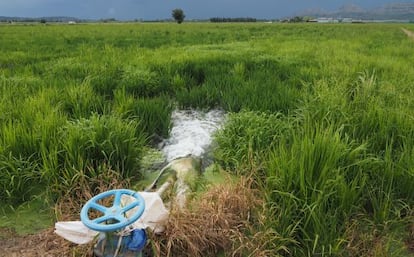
80 101
178 83
206 96
27 140
51 167
404 183
262 84
193 73
36 123
390 188
88 143
14 91
19 179
381 126
70 68
17 87
258 84
142 83
18 139
262 96
153 114
188 77
258 87
202 97
239 71
315 183
105 80
249 133
364 89
324 102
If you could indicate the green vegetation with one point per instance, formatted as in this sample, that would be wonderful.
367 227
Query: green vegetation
321 116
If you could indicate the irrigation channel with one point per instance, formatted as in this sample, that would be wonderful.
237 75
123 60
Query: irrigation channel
191 134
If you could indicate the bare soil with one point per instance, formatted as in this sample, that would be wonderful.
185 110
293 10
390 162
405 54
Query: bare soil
45 244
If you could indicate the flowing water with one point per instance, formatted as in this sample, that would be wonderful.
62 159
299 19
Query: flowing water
191 133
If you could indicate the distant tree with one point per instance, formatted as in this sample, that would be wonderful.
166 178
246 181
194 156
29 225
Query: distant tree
43 21
297 19
241 19
178 15
106 20
307 18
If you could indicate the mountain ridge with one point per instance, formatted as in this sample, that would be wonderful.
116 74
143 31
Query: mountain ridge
391 11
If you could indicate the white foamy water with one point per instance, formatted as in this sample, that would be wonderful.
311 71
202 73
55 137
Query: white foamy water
191 133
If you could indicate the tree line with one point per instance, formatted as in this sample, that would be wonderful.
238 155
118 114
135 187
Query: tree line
246 19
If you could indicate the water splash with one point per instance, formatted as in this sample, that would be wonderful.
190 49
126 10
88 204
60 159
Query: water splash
191 133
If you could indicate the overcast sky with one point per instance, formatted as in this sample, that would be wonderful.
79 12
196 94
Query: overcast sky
161 9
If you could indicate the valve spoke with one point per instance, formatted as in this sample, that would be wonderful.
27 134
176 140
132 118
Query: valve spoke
101 219
130 206
98 207
117 200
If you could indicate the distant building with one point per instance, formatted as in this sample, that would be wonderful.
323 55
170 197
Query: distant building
324 20
72 22
347 20
357 21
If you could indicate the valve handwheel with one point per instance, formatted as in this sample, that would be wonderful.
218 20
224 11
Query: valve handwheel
114 217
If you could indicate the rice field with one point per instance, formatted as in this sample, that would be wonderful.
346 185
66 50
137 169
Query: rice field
321 117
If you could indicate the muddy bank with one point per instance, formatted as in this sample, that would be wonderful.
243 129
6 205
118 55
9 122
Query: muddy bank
42 244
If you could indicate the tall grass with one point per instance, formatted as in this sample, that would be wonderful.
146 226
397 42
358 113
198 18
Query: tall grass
316 182
17 176
248 137
153 114
87 143
80 101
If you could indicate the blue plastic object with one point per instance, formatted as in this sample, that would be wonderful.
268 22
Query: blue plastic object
108 245
138 240
113 217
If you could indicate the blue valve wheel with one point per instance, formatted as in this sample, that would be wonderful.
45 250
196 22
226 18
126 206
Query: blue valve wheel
114 217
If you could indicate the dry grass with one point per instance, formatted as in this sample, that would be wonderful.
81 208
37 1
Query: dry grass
410 238
409 33
368 243
218 222
69 206
369 240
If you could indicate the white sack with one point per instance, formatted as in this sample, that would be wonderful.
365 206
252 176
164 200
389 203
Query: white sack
75 232
155 214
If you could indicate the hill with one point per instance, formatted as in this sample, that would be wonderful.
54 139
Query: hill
392 11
